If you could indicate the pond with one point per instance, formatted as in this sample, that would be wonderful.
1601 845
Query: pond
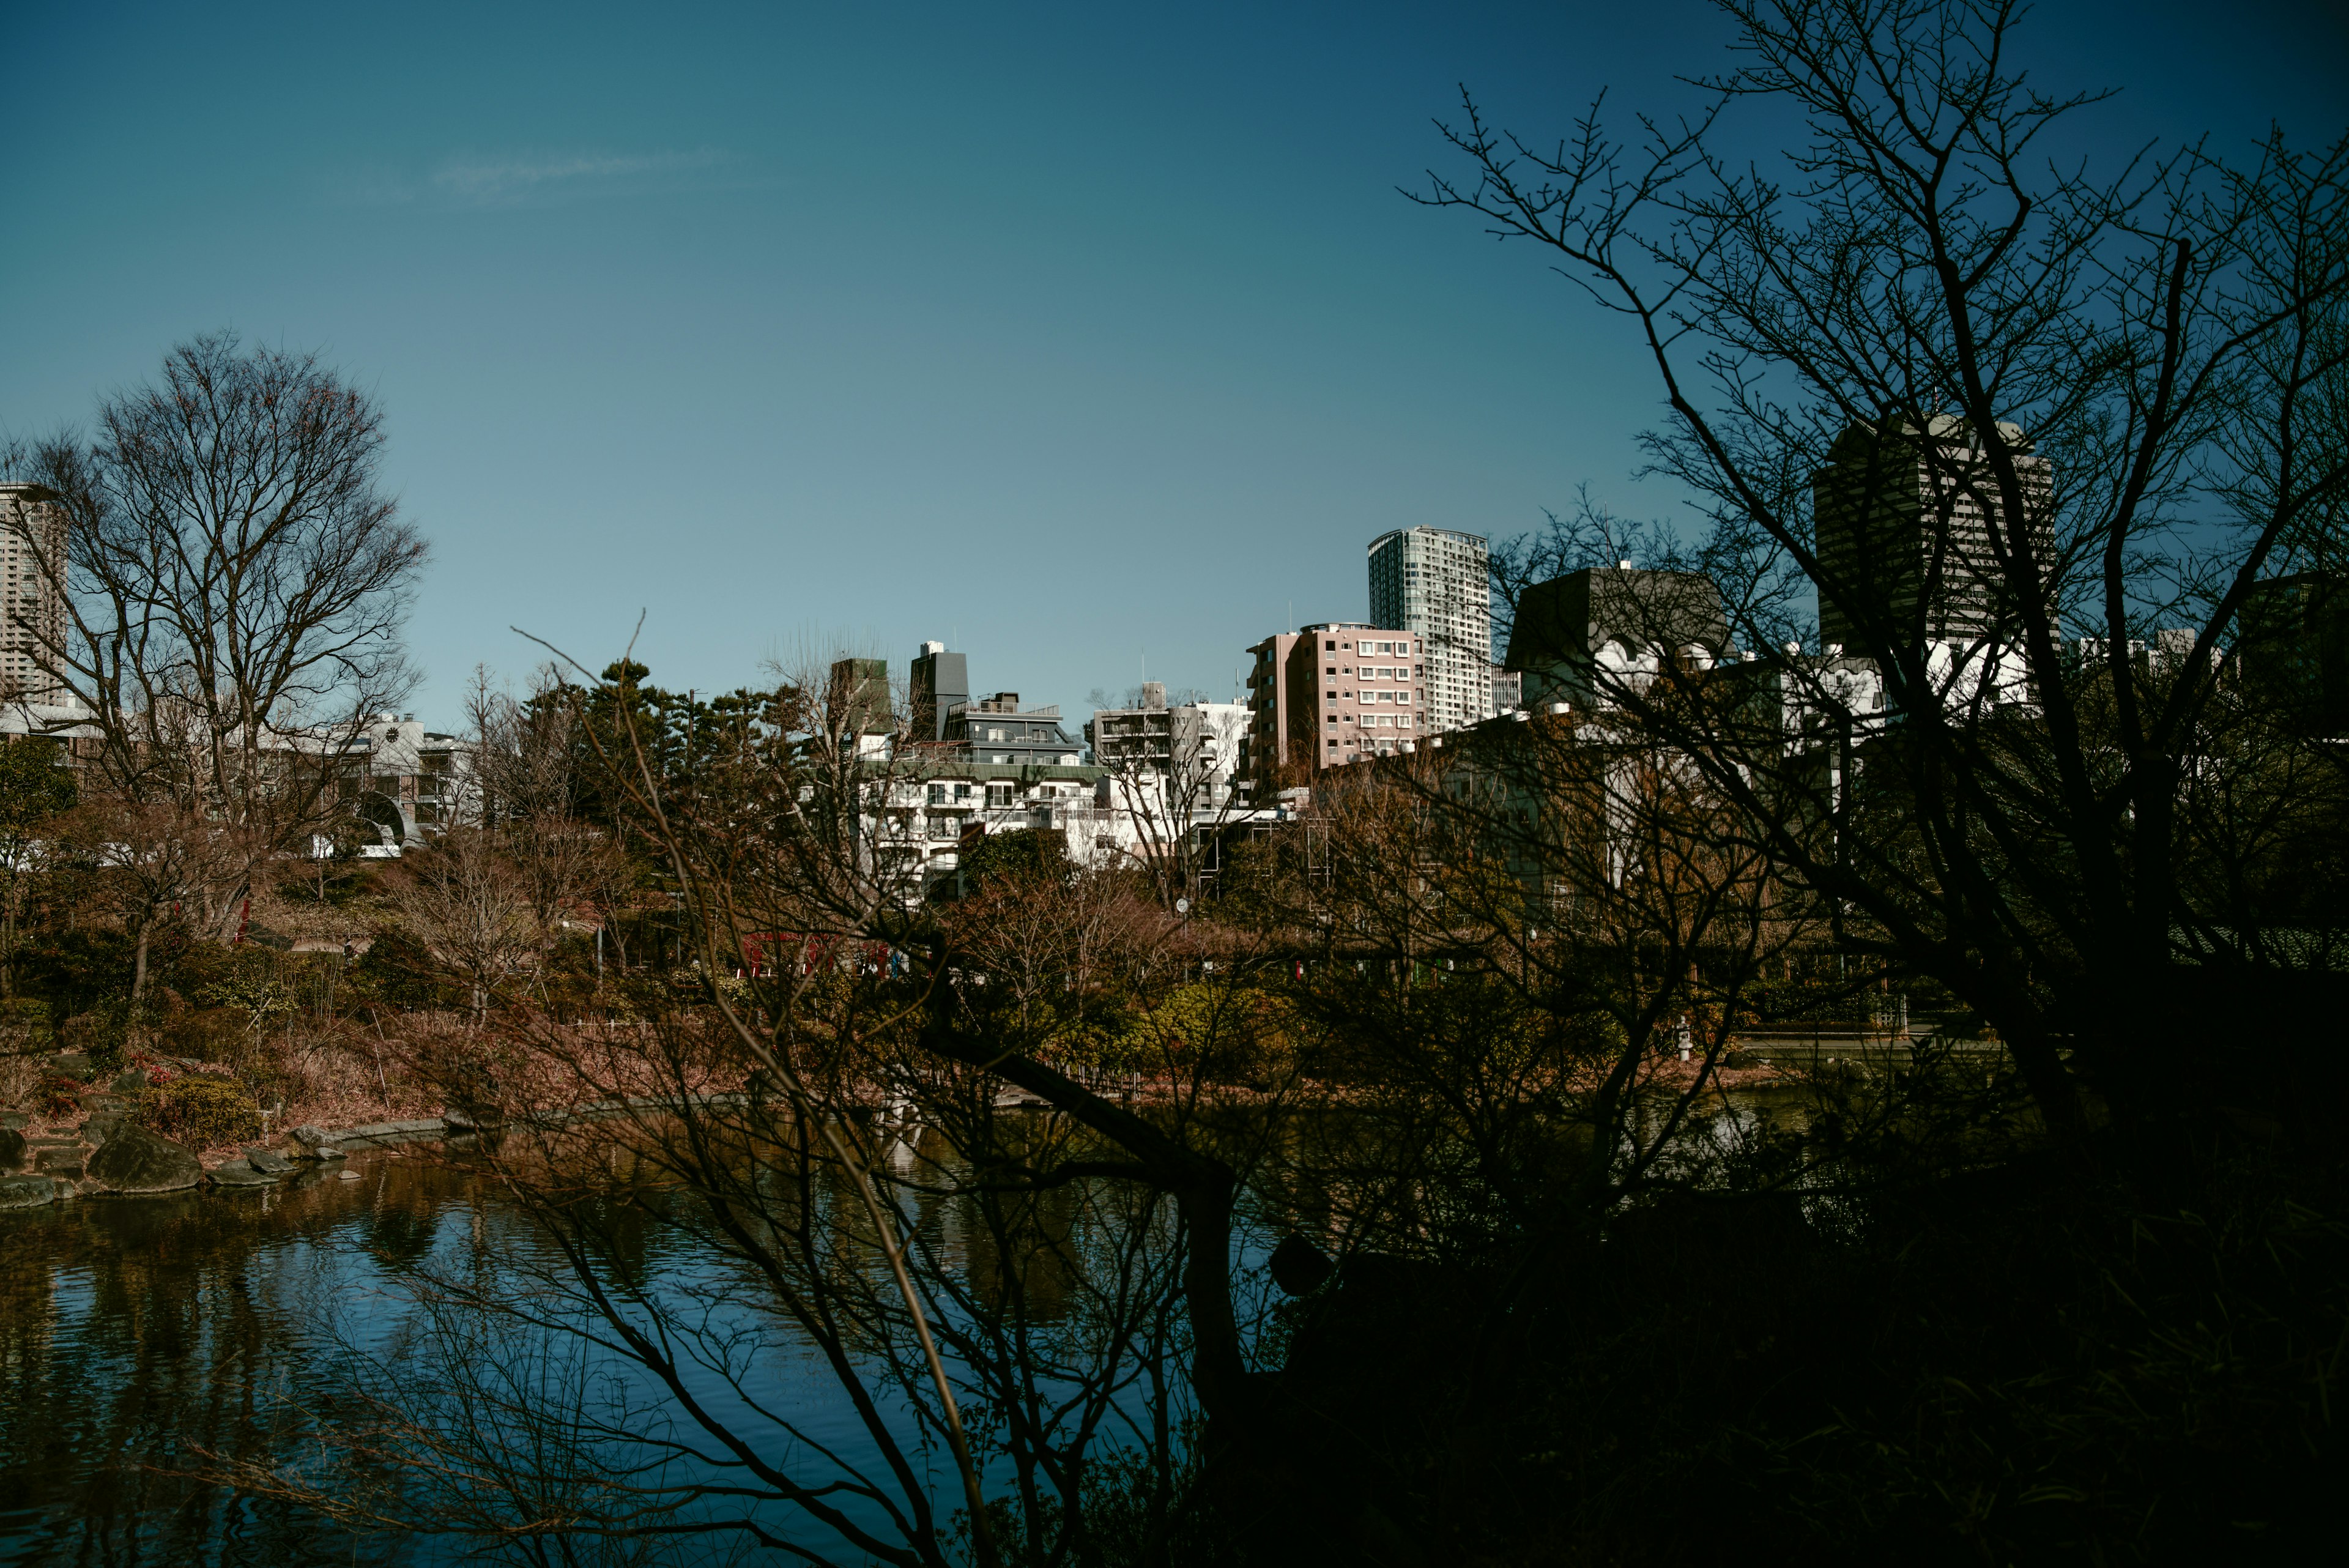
144 1342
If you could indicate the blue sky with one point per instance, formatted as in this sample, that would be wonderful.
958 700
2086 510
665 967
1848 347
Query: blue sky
1075 334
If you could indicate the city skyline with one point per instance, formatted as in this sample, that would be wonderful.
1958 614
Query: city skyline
662 323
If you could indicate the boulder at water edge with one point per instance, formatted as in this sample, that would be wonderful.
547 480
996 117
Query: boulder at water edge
307 1141
136 1160
238 1175
25 1191
12 1149
267 1161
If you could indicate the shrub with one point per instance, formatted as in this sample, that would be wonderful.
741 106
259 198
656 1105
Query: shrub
100 1034
59 1095
397 970
25 1034
200 1111
25 1019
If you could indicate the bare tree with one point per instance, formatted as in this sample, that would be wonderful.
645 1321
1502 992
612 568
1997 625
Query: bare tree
1975 397
471 905
235 584
147 861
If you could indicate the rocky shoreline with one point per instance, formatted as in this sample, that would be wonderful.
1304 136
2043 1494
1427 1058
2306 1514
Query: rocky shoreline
112 1158
108 1156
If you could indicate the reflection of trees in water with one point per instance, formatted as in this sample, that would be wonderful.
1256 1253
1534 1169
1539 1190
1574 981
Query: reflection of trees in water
136 1335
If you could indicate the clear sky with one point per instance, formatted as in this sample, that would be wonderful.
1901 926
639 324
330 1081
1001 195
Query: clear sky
1072 334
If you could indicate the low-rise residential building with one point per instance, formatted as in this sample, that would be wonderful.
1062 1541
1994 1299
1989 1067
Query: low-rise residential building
1198 744
925 811
412 784
427 776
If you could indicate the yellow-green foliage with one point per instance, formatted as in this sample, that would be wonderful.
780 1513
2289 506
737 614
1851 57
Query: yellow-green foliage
1226 1029
199 1110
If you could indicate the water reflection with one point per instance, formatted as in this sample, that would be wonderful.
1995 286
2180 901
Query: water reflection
139 1335
144 1342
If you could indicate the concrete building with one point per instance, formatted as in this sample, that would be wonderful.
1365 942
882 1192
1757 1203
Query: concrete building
1356 690
2293 652
997 731
858 700
426 776
1189 741
941 683
1435 585
1586 637
32 605
1903 522
1265 762
412 784
926 811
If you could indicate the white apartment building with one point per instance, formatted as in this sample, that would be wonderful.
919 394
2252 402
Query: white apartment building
1435 583
32 609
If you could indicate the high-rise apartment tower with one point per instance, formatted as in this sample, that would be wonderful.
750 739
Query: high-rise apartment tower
32 603
1904 521
1435 582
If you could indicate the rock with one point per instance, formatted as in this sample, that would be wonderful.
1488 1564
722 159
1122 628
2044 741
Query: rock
136 1160
14 1120
12 1149
26 1192
73 1064
129 1081
346 1176
240 1176
329 1151
304 1141
63 1163
268 1161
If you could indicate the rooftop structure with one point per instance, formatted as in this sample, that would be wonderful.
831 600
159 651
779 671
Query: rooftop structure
941 682
997 731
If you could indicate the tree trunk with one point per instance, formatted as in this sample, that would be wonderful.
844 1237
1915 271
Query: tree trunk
138 967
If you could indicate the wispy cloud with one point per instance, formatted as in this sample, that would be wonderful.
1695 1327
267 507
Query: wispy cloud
492 182
516 178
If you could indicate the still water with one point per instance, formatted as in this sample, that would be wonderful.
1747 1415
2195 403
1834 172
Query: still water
146 1340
